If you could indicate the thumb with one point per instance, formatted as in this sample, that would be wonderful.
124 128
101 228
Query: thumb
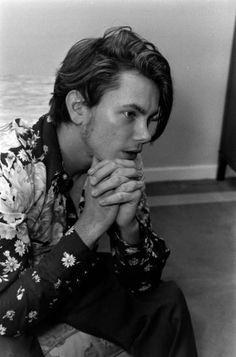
95 161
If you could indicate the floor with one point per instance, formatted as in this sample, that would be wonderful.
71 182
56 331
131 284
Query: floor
198 222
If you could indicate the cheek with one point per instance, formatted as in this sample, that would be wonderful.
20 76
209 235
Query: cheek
108 133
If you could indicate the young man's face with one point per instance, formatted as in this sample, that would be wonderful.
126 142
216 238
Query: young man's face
119 124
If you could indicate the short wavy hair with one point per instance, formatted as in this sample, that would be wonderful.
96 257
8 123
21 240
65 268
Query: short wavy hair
93 66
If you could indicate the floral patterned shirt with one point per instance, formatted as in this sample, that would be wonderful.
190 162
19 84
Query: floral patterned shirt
42 259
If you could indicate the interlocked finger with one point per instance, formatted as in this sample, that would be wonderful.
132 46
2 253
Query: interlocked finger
97 166
131 186
116 172
131 192
108 184
106 168
116 199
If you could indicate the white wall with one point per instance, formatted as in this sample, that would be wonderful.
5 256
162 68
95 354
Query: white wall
195 36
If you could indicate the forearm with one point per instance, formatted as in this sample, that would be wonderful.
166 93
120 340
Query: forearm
89 231
130 233
37 291
139 266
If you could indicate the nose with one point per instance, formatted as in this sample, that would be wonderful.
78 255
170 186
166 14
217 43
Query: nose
142 133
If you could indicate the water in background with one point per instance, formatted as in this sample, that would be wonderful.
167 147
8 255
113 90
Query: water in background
24 96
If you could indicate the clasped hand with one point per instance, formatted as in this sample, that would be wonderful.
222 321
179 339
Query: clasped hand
112 194
115 188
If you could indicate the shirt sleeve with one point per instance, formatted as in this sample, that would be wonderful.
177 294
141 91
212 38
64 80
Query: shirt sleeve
28 295
139 267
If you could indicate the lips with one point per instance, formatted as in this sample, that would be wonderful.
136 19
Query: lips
131 154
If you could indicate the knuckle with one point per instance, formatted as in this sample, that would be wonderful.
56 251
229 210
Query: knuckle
119 180
140 173
116 181
127 186
135 172
114 165
117 161
119 171
131 185
134 185
121 196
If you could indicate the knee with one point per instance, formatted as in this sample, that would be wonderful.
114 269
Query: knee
175 293
176 301
9 346
167 299
18 347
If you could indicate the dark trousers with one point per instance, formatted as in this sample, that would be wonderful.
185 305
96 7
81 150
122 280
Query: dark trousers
154 324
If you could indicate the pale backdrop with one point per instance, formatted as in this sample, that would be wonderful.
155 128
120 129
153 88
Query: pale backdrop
194 35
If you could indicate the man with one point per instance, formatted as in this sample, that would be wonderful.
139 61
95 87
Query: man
76 175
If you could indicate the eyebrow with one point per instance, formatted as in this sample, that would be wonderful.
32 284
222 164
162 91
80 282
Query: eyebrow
138 108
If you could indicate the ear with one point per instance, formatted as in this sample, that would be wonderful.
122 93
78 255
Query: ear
76 107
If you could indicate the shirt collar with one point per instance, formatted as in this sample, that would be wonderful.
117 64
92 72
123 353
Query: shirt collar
53 160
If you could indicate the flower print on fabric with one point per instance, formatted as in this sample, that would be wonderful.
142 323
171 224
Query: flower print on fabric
23 235
32 315
16 185
145 286
70 231
57 231
20 293
68 260
4 277
39 181
33 219
46 220
9 315
8 137
136 265
2 330
10 264
36 277
22 155
133 261
57 284
6 232
20 247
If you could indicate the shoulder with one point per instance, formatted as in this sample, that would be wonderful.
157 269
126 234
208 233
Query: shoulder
20 141
18 169
11 134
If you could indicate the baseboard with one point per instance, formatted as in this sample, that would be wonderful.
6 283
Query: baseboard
175 173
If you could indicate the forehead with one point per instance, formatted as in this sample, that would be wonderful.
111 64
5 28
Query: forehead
134 88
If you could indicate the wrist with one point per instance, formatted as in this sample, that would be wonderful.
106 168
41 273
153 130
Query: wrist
130 232
88 232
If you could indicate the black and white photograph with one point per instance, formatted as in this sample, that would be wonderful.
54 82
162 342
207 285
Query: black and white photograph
117 178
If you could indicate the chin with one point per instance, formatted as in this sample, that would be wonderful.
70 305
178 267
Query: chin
129 156
106 156
114 155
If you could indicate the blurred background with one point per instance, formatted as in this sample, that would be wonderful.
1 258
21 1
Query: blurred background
195 36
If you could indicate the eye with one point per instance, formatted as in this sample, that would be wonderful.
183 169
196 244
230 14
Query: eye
153 120
130 114
152 124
